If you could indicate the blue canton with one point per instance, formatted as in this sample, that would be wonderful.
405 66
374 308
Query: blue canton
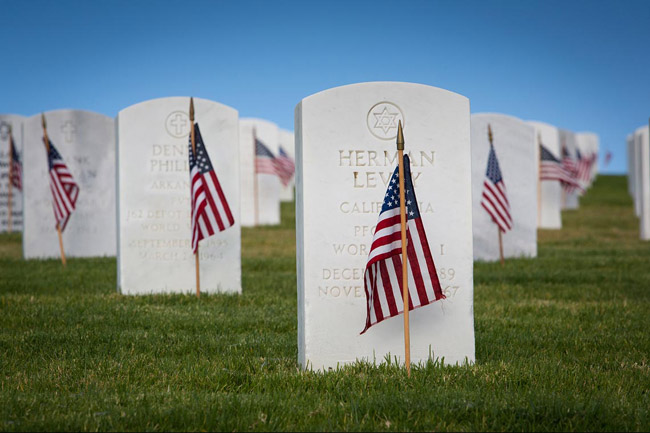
547 155
391 199
493 170
54 155
262 150
202 160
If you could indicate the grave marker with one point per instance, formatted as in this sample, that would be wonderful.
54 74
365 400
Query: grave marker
589 144
571 199
260 192
644 182
516 148
155 238
86 142
345 155
550 214
13 123
637 163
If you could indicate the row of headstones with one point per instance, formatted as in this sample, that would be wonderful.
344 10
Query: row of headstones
345 154
141 168
638 177
516 139
86 141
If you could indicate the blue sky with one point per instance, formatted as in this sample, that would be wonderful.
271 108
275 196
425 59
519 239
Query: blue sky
580 65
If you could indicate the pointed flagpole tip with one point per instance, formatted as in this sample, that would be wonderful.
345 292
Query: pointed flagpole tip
490 133
43 121
400 136
192 109
9 129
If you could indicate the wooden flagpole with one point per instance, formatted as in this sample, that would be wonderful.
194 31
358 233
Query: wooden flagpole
9 186
255 176
498 228
196 254
47 148
501 246
405 272
539 179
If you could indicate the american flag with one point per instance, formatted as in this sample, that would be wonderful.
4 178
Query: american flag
552 169
64 189
571 168
495 198
583 167
16 166
265 162
286 167
608 158
383 274
210 209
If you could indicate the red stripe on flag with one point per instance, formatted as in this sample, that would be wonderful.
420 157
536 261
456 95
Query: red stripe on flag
431 267
222 197
414 264
388 289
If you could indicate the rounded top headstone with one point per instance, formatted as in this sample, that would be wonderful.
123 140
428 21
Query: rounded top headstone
177 121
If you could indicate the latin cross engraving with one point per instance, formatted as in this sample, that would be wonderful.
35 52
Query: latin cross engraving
69 130
178 123
4 131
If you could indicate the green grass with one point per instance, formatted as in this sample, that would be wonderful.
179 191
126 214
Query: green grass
562 343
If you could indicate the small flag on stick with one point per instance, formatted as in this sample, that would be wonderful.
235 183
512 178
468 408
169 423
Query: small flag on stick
286 167
495 198
583 168
16 169
15 178
383 274
571 168
552 168
265 162
608 158
63 187
65 190
210 210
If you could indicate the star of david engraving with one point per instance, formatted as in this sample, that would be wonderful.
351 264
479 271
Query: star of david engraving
385 120
382 120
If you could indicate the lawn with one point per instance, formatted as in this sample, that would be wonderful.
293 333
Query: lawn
562 343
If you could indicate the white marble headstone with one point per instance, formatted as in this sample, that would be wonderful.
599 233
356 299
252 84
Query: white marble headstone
155 250
550 215
571 200
644 182
286 139
594 146
636 161
86 142
588 144
15 123
516 148
260 193
346 154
